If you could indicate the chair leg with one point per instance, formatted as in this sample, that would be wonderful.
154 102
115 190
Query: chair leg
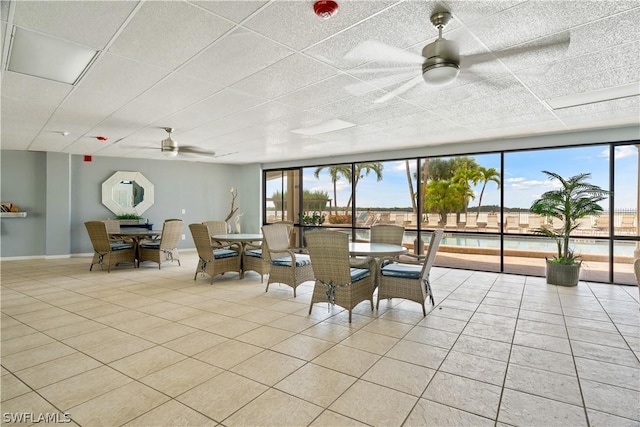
310 307
424 311
349 316
378 303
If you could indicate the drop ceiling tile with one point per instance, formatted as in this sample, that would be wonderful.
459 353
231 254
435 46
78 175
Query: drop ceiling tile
101 102
510 28
296 25
290 74
32 89
49 141
113 128
237 55
629 103
415 28
528 129
624 56
233 10
510 120
324 92
77 123
23 118
4 10
154 37
602 80
390 110
610 118
470 11
178 91
143 112
122 76
91 23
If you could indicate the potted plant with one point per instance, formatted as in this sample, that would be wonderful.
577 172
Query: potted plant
574 199
129 218
311 222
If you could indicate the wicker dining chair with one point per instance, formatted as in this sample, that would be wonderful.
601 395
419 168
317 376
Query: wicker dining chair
336 281
165 248
213 261
217 227
410 280
287 266
106 251
387 233
252 259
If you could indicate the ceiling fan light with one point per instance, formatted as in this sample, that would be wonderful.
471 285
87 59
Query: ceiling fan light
441 74
169 147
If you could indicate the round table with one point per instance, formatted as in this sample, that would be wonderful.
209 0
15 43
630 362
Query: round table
238 237
375 249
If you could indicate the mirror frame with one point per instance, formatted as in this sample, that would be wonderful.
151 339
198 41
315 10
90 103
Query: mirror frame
116 178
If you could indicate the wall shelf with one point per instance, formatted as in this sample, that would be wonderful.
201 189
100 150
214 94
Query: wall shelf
13 214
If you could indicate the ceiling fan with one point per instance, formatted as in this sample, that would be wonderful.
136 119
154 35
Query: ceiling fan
441 61
170 148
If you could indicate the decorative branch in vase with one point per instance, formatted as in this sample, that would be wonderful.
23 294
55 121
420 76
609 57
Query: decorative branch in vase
233 210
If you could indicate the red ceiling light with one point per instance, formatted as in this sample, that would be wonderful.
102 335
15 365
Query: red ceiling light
101 138
325 9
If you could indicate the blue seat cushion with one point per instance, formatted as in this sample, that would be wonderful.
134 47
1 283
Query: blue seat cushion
224 253
405 271
257 253
359 274
301 261
150 245
120 246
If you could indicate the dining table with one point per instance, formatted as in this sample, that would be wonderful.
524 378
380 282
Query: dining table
243 239
375 249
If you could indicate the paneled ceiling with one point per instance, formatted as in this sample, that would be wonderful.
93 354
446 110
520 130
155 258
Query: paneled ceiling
236 77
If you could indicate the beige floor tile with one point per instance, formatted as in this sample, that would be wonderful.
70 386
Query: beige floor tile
543 359
146 362
165 333
542 328
419 354
374 404
463 393
601 419
598 337
316 384
560 387
179 313
443 324
347 360
100 336
222 395
328 331
181 376
402 316
118 406
56 370
232 327
17 331
56 322
434 337
268 367
358 321
22 343
171 413
46 313
612 400
265 336
302 347
275 408
262 316
75 329
117 349
542 342
332 419
618 356
85 386
194 343
491 332
608 373
35 356
428 413
11 387
371 342
27 409
399 375
475 367
228 354
519 408
388 327
293 323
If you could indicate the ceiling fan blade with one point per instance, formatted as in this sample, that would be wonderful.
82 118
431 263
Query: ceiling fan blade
373 50
382 82
399 90
364 70
561 42
185 149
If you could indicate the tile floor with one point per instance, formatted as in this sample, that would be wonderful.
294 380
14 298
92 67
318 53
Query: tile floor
152 347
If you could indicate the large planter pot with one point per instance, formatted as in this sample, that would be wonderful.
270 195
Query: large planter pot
563 274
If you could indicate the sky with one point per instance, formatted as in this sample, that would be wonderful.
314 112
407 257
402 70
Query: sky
524 181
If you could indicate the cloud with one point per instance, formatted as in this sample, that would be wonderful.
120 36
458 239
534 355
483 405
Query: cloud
621 152
520 183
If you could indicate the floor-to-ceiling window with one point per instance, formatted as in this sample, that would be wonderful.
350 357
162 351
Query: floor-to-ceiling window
482 201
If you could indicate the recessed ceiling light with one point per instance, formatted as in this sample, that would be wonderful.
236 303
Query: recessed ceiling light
594 96
328 126
47 57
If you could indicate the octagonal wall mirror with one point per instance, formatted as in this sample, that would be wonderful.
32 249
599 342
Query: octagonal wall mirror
127 193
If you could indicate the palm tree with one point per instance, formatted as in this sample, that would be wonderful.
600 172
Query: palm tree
465 176
335 172
487 175
362 170
412 193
